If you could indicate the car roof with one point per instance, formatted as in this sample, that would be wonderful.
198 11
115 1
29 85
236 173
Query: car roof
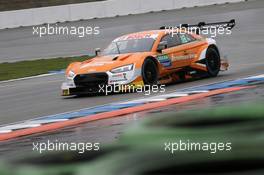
141 35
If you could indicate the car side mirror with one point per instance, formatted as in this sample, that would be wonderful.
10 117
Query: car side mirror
162 45
97 51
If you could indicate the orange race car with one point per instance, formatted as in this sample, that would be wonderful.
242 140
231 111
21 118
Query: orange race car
153 57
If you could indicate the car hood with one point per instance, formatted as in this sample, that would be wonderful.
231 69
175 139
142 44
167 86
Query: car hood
105 63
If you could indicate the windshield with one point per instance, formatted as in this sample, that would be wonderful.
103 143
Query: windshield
129 46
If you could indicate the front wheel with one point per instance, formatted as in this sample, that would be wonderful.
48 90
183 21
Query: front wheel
213 62
149 72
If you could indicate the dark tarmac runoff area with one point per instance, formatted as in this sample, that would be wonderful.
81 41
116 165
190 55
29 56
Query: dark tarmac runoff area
38 97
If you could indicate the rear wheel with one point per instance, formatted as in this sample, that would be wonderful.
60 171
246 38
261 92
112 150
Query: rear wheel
149 72
213 62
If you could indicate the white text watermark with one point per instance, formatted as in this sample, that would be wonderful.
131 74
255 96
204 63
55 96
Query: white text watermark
79 31
80 147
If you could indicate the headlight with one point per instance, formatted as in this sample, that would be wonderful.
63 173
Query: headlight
123 68
71 74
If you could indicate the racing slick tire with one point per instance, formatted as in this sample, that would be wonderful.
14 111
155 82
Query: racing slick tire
213 62
149 72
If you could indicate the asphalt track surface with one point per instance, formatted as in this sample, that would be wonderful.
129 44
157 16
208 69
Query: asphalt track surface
20 43
108 130
27 99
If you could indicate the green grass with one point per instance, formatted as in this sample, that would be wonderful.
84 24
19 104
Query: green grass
36 67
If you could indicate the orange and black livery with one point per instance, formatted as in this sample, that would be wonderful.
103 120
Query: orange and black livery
148 58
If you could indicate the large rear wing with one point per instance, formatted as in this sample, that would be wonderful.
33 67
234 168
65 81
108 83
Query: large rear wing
197 28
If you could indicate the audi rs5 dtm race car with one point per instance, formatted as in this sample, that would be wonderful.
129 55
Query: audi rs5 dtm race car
153 57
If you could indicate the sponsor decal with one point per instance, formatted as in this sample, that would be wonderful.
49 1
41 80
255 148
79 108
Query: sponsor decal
137 83
118 77
182 57
164 60
136 36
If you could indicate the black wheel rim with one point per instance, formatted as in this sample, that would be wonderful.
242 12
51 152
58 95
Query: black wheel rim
213 63
150 74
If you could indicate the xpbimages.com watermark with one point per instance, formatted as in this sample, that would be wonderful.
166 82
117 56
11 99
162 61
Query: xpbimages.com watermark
49 146
212 31
117 88
211 147
78 31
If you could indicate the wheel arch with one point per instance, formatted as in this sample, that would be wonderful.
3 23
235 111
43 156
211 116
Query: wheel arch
140 62
153 59
213 73
213 46
155 64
